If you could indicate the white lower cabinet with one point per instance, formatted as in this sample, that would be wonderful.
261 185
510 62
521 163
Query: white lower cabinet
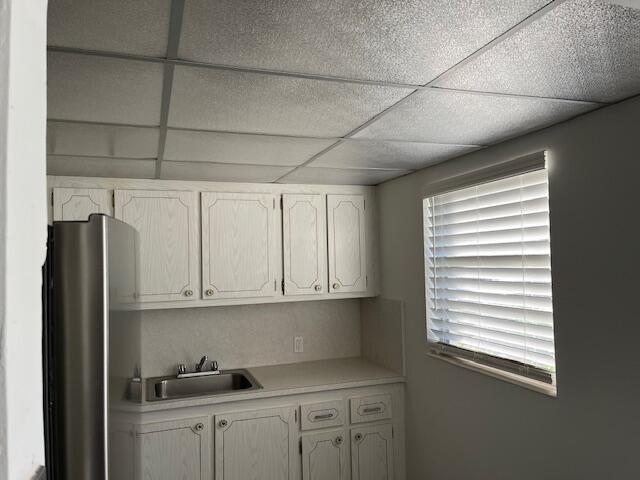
372 452
179 449
256 445
324 456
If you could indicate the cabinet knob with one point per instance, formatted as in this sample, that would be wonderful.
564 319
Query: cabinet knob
339 440
317 288
336 286
188 293
199 427
223 423
358 437
209 292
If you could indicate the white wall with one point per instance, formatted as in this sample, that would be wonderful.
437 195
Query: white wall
22 233
466 426
249 335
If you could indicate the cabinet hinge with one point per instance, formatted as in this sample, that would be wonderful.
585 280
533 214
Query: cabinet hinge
275 285
283 286
295 415
366 281
281 203
52 198
113 201
300 446
364 204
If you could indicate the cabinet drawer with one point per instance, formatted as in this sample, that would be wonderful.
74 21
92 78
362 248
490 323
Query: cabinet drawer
321 415
371 408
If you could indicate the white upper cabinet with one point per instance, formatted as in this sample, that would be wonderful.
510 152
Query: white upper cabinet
167 224
347 245
79 203
240 245
304 237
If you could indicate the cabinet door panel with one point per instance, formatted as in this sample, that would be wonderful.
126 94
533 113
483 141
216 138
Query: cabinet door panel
347 255
79 203
167 224
372 452
174 450
304 227
255 445
240 246
324 456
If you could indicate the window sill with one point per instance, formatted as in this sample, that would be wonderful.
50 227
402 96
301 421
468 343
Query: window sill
536 386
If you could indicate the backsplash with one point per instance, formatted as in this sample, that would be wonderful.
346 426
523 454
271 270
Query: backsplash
249 335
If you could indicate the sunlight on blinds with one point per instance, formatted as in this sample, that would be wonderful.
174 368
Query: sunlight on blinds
488 273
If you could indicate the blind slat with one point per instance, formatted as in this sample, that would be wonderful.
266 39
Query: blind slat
488 271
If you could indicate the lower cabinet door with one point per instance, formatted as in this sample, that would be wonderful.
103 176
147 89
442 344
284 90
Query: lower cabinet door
179 449
256 445
324 456
372 452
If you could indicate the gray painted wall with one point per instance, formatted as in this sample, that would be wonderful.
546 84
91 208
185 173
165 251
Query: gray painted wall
465 425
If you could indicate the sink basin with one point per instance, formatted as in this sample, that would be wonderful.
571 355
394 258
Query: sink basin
228 381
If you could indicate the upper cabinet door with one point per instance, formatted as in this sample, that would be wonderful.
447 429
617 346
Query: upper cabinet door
304 236
79 203
347 255
240 245
167 224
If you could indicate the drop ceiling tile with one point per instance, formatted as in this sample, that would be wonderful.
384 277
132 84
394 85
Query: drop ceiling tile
98 89
135 27
234 101
339 176
241 148
441 116
218 172
409 41
69 138
580 50
382 154
100 167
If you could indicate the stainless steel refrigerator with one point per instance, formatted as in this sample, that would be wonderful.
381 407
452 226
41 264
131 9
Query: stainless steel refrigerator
90 344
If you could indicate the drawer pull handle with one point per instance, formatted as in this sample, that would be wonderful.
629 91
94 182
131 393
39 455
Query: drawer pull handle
323 416
370 410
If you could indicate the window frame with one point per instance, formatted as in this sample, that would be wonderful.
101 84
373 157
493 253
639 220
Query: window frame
514 372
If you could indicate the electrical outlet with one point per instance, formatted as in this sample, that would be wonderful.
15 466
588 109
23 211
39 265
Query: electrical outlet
298 345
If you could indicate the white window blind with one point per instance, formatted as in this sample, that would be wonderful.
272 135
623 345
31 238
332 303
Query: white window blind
488 275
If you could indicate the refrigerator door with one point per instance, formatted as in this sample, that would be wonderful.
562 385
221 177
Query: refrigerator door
92 269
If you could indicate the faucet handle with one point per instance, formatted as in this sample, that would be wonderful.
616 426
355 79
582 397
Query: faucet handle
214 365
182 369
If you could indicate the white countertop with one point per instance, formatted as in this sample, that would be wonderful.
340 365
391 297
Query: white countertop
289 379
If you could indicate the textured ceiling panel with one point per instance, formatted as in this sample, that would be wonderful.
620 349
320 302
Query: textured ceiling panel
409 41
241 148
216 172
336 176
580 50
82 87
66 138
125 26
470 119
255 103
376 154
100 167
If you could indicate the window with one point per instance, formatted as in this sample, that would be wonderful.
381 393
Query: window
488 276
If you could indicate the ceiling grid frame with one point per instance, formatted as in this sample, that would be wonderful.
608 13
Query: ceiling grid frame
175 28
171 60
531 18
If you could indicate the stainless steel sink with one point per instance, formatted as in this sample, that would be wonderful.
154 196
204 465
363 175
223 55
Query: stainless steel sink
228 381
